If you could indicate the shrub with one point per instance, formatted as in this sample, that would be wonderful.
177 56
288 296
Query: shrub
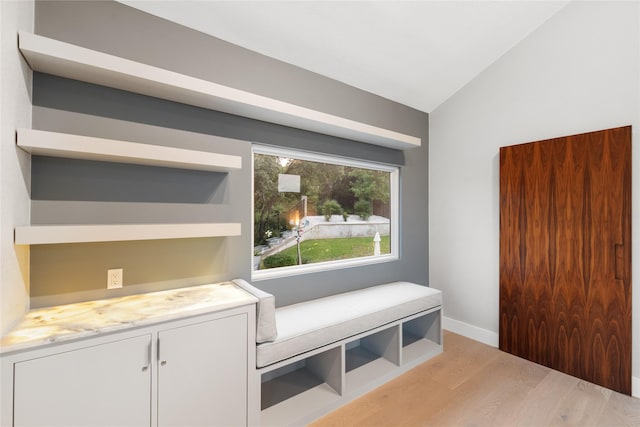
345 215
362 208
279 260
331 207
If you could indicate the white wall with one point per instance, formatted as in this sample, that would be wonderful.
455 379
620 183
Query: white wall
578 72
15 111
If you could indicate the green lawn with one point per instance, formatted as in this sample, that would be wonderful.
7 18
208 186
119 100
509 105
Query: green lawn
332 249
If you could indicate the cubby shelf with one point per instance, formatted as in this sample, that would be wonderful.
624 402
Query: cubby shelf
51 234
75 62
312 400
109 150
419 350
303 388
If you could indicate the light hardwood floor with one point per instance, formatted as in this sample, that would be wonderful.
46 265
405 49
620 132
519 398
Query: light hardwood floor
472 384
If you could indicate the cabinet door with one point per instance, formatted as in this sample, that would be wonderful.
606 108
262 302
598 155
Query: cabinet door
102 385
202 374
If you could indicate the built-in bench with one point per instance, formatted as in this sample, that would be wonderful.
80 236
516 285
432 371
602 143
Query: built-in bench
315 356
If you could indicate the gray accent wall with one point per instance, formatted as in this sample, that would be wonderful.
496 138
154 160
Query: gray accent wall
71 191
123 31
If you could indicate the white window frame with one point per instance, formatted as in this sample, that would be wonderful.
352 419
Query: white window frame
394 230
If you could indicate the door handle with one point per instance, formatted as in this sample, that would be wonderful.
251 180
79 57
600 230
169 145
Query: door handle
618 260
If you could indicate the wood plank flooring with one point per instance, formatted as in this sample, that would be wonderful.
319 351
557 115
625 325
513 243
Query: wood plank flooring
472 384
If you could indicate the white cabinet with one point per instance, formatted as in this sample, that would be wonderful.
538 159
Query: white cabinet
192 371
202 374
100 385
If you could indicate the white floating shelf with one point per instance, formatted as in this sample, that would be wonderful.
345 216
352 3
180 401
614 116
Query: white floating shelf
50 234
111 150
79 63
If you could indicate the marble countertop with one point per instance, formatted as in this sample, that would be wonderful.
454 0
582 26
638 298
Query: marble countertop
72 321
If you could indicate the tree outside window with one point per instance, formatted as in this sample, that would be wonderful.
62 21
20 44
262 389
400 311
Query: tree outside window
339 209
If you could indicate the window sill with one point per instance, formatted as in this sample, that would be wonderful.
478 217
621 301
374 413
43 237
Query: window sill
274 273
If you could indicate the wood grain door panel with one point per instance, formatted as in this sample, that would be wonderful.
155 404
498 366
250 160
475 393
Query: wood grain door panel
565 255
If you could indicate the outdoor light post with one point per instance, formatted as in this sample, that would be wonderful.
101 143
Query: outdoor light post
297 222
304 205
298 243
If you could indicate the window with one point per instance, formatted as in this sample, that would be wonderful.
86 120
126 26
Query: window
317 212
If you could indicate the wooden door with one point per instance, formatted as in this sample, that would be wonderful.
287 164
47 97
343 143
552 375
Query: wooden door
565 255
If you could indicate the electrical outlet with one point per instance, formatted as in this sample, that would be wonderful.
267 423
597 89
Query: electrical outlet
114 278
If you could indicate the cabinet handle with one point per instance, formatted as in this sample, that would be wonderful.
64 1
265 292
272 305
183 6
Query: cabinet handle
162 362
144 368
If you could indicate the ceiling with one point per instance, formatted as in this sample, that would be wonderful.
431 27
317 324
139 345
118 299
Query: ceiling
418 53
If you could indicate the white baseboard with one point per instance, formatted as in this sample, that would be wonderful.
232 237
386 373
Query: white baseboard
470 331
635 387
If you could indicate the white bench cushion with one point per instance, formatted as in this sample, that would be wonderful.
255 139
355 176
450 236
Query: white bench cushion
265 312
311 324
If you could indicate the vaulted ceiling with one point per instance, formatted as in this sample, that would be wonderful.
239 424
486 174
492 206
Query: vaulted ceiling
418 53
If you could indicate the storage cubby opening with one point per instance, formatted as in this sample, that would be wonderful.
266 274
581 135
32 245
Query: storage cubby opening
357 355
421 338
316 373
425 327
285 383
371 357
